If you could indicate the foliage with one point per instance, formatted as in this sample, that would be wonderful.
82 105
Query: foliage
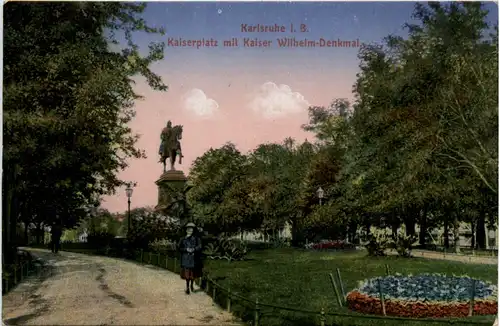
101 221
100 239
325 221
148 225
163 246
67 99
412 145
403 243
227 249
69 236
212 176
333 244
280 243
378 240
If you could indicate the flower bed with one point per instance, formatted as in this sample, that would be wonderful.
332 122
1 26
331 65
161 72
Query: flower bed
333 244
427 295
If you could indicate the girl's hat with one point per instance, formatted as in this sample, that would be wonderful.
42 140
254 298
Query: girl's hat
190 225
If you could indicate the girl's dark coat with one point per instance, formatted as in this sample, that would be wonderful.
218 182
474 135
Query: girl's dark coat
191 260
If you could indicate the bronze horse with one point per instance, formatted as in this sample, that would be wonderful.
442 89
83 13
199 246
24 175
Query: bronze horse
171 147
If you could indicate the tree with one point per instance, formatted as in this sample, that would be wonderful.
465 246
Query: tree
334 132
212 176
280 169
67 100
330 124
424 121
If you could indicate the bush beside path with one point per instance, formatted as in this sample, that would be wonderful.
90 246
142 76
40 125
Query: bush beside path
77 289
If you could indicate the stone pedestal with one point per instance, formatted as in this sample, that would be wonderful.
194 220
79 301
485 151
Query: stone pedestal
169 183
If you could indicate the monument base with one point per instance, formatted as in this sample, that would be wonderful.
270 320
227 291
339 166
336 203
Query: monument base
169 185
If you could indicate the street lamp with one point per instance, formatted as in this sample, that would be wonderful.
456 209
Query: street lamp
321 193
129 192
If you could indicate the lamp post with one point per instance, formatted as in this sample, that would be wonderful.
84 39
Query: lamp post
129 192
321 193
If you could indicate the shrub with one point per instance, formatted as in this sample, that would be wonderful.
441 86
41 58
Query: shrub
377 242
163 246
281 243
150 227
224 248
100 240
427 295
403 243
333 244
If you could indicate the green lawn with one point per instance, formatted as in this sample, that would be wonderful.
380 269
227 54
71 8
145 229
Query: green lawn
299 279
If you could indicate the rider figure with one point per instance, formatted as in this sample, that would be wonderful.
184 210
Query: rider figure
165 138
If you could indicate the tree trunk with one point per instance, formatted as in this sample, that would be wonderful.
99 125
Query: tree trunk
368 226
293 231
10 213
394 229
472 235
446 231
456 234
352 230
39 231
409 221
410 225
480 230
423 228
26 233
8 256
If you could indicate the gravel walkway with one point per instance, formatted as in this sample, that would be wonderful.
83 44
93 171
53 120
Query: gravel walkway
454 257
77 289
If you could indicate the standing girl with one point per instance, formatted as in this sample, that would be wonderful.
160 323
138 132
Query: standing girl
190 247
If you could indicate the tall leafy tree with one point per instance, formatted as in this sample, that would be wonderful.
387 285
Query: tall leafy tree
68 97
212 175
411 123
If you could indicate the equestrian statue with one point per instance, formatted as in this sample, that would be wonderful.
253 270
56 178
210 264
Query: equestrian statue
170 145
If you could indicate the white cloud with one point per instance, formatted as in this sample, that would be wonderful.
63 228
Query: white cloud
197 102
273 101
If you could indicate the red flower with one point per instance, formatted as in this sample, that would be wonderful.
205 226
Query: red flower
364 303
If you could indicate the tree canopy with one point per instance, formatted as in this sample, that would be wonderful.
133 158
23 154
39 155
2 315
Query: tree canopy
68 96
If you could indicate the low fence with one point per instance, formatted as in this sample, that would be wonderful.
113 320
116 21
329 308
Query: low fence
464 251
17 273
254 309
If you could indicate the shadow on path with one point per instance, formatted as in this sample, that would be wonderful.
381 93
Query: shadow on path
104 286
27 291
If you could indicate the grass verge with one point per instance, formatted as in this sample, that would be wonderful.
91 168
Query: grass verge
299 279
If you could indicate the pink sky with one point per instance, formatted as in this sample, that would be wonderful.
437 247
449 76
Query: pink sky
234 89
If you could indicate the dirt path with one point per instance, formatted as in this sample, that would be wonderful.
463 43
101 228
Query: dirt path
78 289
